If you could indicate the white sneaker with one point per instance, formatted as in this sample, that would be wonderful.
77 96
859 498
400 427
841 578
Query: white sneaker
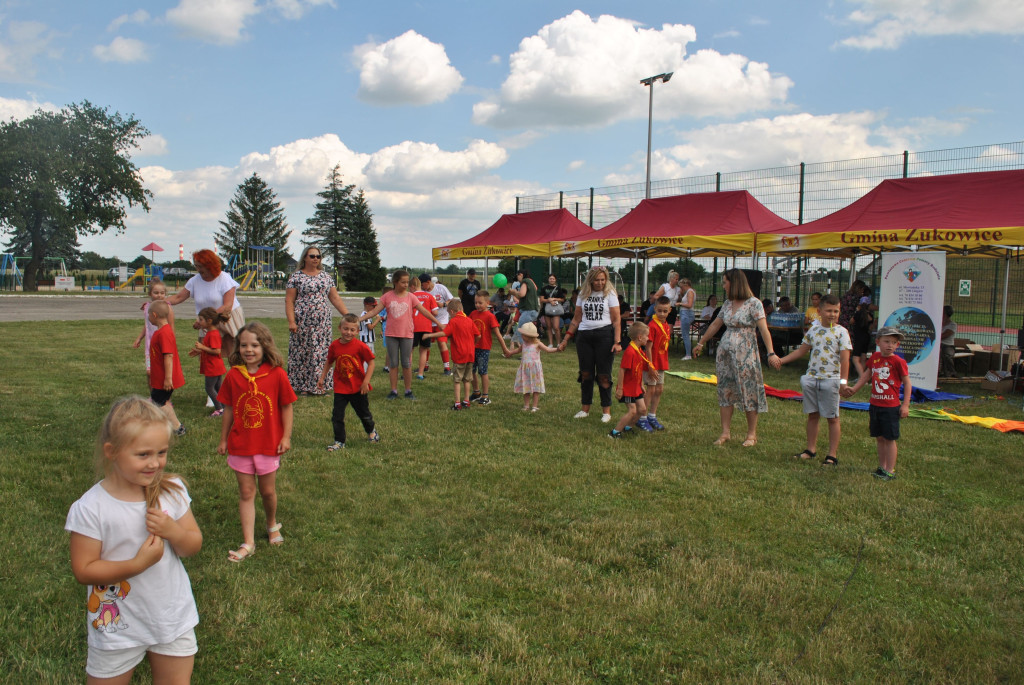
605 418
581 414
209 401
687 358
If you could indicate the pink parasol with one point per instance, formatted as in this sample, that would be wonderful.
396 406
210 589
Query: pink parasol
152 248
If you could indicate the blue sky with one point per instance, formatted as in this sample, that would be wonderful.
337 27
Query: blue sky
443 112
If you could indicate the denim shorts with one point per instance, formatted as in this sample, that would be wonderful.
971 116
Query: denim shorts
483 358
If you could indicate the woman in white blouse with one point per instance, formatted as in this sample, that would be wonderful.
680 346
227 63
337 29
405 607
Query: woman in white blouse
213 287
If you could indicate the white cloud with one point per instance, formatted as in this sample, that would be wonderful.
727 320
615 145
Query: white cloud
11 108
295 9
421 196
576 165
153 145
578 71
784 140
407 70
213 21
24 42
122 49
136 17
888 23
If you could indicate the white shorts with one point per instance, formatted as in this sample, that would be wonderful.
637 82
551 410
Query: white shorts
110 663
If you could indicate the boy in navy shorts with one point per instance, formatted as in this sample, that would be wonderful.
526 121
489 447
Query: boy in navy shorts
887 372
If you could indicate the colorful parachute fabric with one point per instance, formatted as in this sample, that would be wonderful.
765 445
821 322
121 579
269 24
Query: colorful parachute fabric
918 396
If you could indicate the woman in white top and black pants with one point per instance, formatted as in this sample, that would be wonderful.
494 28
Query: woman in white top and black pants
595 325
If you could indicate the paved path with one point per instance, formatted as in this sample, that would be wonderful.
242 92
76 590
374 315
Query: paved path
116 306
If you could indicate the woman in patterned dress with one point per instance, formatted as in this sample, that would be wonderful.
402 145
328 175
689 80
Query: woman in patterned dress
740 382
308 295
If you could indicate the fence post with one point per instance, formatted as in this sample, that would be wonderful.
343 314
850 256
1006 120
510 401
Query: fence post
906 163
800 208
561 197
591 206
718 181
517 204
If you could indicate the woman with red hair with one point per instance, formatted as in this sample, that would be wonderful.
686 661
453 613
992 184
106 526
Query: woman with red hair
212 287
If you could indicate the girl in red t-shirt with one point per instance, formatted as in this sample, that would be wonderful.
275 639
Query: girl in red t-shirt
256 428
211 366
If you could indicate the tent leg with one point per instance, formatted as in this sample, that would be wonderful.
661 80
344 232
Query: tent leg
1002 323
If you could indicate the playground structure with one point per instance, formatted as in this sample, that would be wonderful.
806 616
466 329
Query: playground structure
144 275
10 274
255 270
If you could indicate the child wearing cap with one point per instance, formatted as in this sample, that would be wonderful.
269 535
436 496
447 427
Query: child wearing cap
887 373
827 371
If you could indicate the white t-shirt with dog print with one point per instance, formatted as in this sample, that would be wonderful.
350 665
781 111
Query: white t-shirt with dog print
156 606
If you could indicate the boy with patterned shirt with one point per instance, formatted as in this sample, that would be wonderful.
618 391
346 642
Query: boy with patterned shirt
887 372
659 335
826 375
366 332
630 386
462 334
353 362
486 326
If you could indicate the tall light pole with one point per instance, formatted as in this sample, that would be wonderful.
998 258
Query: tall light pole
664 78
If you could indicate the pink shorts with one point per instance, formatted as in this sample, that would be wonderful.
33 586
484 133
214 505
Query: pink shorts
259 464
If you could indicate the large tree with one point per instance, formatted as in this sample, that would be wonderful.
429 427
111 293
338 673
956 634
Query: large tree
328 228
254 217
342 225
66 174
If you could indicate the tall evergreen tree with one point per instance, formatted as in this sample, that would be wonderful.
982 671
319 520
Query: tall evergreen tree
342 226
254 217
361 267
329 225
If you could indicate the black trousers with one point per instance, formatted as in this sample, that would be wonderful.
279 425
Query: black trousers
360 404
212 388
594 350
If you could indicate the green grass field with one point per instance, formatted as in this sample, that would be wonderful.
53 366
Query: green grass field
497 546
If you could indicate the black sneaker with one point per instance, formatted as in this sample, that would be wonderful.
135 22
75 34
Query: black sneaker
180 431
614 434
484 400
882 474
409 395
474 396
457 406
465 404
393 395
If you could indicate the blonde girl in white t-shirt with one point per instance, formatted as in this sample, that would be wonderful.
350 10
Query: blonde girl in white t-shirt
128 535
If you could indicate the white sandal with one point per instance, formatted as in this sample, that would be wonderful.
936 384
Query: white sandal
244 551
277 539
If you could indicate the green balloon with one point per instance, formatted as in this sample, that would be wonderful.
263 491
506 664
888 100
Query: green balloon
500 281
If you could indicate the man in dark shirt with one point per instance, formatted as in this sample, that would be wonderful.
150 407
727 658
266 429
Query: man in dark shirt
468 289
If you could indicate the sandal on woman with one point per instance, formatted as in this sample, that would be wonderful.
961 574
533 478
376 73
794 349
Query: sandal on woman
805 455
750 442
244 551
830 461
275 536
721 441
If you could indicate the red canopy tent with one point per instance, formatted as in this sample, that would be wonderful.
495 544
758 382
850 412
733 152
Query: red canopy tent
517 235
705 224
977 214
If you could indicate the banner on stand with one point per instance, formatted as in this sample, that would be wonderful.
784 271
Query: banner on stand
913 287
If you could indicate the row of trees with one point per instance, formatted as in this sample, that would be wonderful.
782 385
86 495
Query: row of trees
68 174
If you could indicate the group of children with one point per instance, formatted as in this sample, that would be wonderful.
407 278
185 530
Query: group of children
136 523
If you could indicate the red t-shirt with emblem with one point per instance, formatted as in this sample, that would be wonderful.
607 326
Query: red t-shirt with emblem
485 322
256 400
212 364
348 359
163 342
634 365
660 335
461 334
420 323
887 374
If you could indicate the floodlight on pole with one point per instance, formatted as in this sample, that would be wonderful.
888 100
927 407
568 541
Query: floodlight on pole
664 78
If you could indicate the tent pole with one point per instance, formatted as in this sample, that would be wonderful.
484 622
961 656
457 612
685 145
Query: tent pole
636 267
1002 323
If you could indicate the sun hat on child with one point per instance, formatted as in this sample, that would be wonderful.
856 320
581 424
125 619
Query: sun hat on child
528 329
889 330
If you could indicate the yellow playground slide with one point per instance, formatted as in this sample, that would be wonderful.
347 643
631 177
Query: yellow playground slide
139 273
248 280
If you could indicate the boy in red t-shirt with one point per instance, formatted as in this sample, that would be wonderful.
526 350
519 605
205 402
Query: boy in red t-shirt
659 335
887 372
353 366
165 374
630 387
421 326
486 326
462 336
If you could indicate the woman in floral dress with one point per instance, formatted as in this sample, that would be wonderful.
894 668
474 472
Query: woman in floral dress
738 365
309 294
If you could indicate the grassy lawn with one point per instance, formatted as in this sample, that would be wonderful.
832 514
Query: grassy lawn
497 546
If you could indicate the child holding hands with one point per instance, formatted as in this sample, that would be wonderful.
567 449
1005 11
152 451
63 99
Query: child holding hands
486 326
826 375
128 535
353 362
165 374
211 364
630 389
530 375
462 334
887 373
256 429
659 335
